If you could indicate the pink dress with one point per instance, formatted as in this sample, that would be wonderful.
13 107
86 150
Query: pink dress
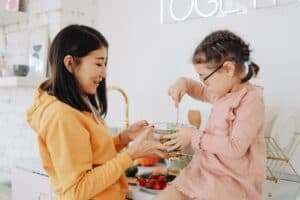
230 157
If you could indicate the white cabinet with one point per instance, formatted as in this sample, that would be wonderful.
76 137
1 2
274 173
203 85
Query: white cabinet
27 185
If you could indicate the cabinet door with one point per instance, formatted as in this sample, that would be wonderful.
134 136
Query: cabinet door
29 186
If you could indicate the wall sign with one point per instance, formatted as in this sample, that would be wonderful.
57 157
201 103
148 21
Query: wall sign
173 11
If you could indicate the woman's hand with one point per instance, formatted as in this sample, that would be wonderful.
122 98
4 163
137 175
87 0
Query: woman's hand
143 145
178 90
181 139
136 128
132 131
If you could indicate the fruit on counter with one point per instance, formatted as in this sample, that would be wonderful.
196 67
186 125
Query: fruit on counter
156 186
155 181
131 171
148 161
162 179
142 181
148 185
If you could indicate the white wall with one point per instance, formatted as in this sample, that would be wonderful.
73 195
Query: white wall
155 55
145 57
2 40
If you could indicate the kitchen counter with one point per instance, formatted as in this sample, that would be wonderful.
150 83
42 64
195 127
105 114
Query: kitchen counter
34 166
135 193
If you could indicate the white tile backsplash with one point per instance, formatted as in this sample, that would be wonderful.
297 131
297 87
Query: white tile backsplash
17 140
2 40
16 49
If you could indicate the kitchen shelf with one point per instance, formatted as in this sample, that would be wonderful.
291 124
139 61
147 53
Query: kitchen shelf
278 160
16 81
12 17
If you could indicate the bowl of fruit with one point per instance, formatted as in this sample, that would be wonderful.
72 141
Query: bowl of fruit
153 182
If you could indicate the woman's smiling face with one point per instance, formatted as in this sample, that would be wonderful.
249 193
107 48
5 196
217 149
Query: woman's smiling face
91 70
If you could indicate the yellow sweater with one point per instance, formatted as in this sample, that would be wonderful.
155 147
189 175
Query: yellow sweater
78 152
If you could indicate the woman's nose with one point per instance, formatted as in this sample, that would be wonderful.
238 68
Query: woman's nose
103 72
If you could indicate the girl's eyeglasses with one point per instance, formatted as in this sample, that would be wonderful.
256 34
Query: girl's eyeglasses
209 75
219 67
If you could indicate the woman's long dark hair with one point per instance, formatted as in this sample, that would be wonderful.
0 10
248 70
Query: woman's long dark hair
77 41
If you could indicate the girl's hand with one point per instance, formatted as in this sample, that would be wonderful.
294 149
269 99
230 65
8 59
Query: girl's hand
143 145
178 90
135 129
181 139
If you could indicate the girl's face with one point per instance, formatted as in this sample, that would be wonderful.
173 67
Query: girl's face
91 70
218 82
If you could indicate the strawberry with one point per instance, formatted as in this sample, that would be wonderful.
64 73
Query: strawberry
163 185
148 185
162 179
142 181
156 186
153 181
152 176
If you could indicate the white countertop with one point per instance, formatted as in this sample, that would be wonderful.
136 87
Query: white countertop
35 166
136 194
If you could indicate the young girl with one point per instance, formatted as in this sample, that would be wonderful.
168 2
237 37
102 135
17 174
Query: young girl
76 147
229 159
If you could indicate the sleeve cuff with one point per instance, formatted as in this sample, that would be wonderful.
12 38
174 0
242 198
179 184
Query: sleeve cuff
117 142
125 160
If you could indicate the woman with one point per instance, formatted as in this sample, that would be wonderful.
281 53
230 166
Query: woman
76 147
